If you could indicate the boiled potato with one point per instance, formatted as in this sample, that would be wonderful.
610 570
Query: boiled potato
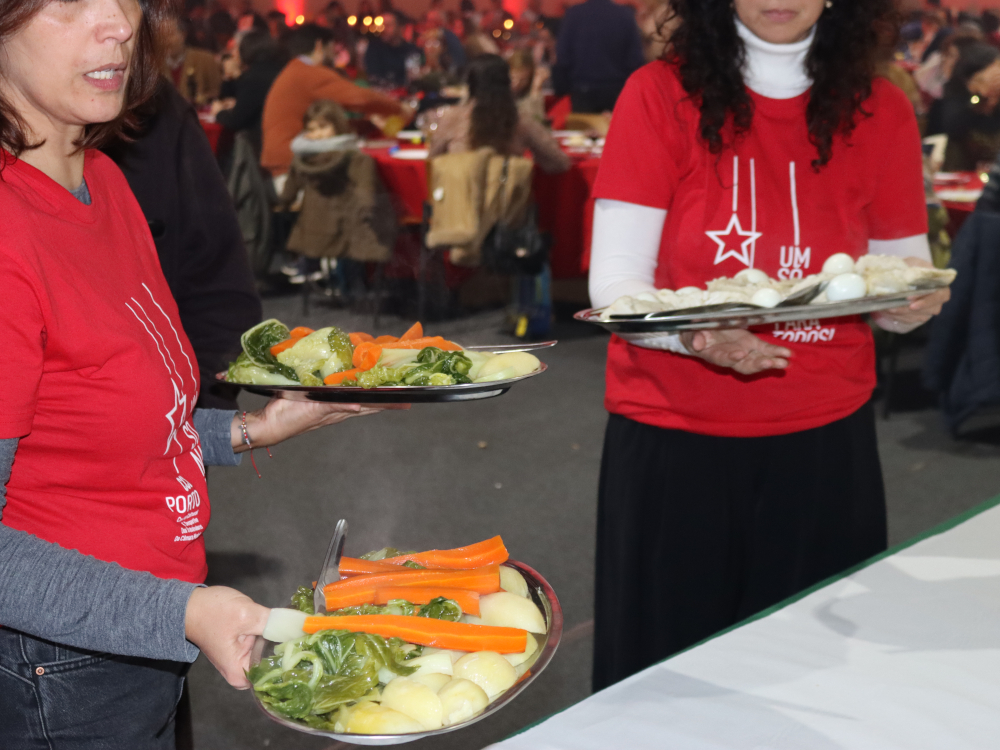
284 625
512 581
461 700
472 620
521 362
508 610
439 663
372 718
434 681
488 669
454 655
414 699
518 659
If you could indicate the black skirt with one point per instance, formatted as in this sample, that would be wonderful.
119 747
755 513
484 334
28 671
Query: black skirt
695 533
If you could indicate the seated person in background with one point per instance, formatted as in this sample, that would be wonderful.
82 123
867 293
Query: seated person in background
303 81
345 212
453 57
194 72
934 74
388 56
968 112
527 81
261 60
490 118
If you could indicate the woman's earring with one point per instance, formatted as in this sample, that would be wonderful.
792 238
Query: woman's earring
829 3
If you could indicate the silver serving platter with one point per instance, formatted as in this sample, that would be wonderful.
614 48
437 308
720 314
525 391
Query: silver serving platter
541 594
743 316
388 394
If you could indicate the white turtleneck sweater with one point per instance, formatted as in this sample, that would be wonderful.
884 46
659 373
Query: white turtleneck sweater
626 238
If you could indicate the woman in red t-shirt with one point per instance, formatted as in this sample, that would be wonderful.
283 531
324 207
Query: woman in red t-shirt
741 466
101 547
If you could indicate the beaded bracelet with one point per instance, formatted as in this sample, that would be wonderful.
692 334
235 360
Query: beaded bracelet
246 442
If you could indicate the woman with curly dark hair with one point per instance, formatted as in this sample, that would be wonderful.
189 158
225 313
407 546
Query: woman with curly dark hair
741 466
101 549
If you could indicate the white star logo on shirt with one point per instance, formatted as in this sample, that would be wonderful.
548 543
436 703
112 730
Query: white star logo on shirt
722 239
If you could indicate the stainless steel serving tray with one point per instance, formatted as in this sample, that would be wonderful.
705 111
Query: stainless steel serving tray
737 316
541 594
392 394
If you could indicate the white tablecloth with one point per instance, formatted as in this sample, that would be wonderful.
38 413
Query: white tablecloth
904 653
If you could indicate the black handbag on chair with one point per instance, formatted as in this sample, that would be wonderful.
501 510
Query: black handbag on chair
523 249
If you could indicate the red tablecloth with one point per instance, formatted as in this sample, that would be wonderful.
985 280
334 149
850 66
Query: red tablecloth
959 211
565 207
214 131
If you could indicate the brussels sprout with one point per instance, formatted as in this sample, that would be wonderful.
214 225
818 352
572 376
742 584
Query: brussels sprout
441 609
308 356
243 370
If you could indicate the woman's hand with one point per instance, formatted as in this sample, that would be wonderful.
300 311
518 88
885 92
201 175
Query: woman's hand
282 419
919 311
736 348
223 623
220 104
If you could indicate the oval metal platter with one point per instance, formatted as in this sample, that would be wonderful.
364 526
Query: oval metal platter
541 594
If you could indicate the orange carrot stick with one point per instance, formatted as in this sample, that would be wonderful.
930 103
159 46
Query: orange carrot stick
426 631
436 341
467 600
386 340
339 377
350 599
360 338
490 552
286 344
300 332
416 331
353 566
366 355
485 580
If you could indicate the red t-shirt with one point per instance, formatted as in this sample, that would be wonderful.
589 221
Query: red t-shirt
760 205
101 380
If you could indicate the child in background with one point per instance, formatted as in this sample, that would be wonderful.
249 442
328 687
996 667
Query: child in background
344 212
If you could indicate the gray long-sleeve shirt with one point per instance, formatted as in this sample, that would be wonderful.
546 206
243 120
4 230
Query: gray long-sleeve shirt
65 596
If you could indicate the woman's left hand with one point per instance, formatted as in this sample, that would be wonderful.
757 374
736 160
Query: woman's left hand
920 310
282 419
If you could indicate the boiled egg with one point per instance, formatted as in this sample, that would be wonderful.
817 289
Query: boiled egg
766 298
846 286
754 276
839 263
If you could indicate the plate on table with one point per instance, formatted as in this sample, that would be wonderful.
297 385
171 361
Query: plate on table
414 154
566 133
951 178
542 595
742 316
387 394
959 195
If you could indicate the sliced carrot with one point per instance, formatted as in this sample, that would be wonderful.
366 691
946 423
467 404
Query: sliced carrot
300 332
485 580
360 338
386 340
349 599
366 355
523 677
490 552
416 331
352 566
467 600
427 631
339 377
286 344
436 341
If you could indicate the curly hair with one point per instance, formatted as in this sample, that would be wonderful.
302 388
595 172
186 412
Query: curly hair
709 55
143 75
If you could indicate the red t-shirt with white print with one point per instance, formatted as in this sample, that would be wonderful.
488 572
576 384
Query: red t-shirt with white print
100 380
758 205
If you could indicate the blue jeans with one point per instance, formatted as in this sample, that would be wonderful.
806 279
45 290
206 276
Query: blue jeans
55 697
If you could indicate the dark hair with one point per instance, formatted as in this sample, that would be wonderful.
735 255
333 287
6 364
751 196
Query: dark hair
143 75
329 112
972 58
302 39
258 47
709 55
494 112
